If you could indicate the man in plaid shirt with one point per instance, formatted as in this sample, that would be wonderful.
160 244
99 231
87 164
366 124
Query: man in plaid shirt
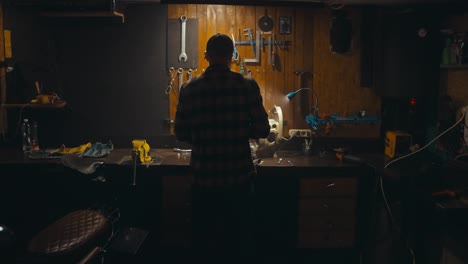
218 112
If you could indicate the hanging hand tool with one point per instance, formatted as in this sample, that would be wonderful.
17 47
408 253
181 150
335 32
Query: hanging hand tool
180 72
273 53
249 34
276 59
235 53
258 44
269 50
189 75
281 43
183 55
38 87
171 82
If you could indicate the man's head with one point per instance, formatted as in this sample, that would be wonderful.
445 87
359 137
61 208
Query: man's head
219 49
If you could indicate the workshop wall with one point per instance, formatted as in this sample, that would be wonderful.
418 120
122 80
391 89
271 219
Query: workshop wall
111 74
306 62
114 76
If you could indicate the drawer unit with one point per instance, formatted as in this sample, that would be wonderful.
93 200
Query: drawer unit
326 239
327 212
329 206
330 186
176 210
325 222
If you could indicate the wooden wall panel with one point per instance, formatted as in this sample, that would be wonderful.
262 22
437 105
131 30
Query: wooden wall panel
202 34
279 86
306 62
337 76
288 67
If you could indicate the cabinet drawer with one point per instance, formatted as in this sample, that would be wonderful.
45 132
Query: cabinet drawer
326 222
176 191
328 186
176 227
326 239
327 206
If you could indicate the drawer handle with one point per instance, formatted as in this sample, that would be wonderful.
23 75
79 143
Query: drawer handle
330 185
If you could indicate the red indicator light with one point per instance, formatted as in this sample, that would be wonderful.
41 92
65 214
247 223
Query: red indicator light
413 102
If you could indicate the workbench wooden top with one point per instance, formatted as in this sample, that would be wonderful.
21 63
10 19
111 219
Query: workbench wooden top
172 158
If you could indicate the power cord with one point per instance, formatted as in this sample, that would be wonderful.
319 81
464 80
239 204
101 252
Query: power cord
410 154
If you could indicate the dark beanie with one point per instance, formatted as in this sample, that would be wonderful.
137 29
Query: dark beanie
219 45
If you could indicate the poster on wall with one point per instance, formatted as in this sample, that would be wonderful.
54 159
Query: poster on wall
285 25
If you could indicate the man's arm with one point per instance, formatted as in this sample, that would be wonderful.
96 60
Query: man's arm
259 125
182 126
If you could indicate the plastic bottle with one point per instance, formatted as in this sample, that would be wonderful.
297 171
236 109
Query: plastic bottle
446 54
26 135
34 137
242 71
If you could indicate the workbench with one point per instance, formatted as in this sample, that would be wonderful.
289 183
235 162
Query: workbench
302 202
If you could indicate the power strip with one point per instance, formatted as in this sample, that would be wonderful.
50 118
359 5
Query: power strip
300 132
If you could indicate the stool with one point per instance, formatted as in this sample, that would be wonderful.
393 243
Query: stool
73 238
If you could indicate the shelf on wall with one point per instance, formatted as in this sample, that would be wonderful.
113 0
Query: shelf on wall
454 66
36 105
87 14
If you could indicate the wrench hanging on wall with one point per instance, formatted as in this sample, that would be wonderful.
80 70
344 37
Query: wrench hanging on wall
183 55
171 82
175 43
180 72
189 75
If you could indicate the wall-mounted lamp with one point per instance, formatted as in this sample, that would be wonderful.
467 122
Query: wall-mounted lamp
292 94
315 108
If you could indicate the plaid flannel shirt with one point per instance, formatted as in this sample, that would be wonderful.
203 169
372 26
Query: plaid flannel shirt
218 112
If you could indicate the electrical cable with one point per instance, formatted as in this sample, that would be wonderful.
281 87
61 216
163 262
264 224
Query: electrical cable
410 154
315 108
428 144
412 255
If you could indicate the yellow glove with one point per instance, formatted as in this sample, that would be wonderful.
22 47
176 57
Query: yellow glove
75 150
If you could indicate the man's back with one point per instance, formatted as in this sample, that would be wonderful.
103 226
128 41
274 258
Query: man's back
218 112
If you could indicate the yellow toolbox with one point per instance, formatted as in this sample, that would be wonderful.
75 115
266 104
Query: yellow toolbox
397 143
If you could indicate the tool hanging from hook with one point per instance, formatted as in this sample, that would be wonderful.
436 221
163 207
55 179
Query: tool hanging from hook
258 43
235 53
189 75
183 55
180 72
171 81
